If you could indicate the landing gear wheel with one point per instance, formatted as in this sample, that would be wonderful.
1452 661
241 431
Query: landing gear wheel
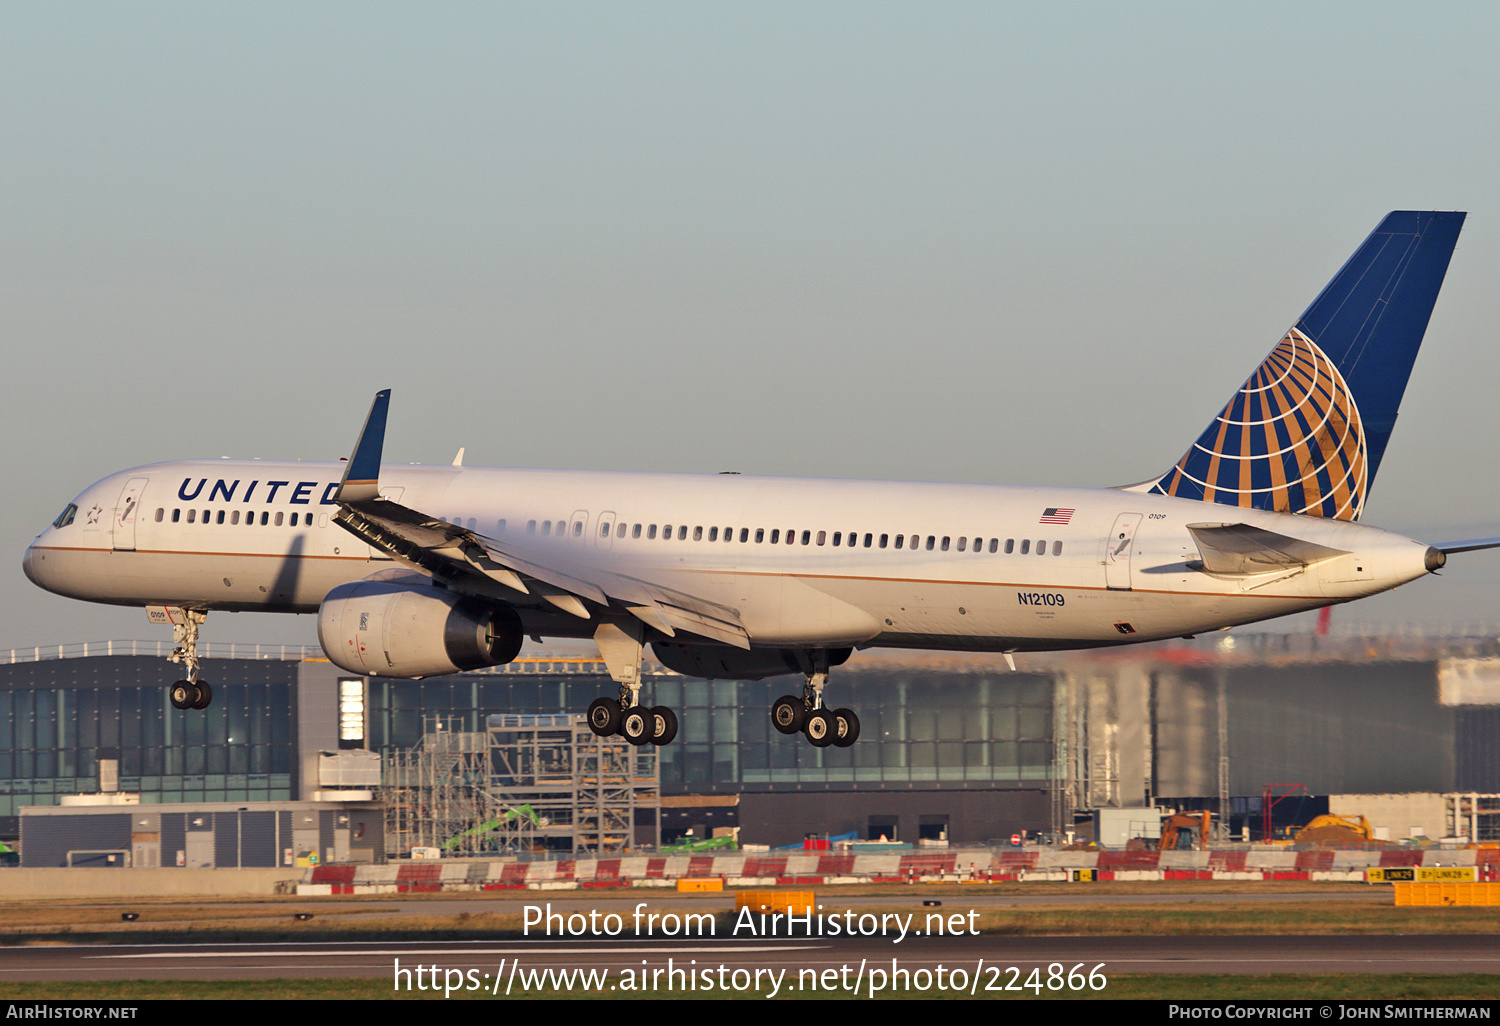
788 714
820 728
845 727
636 726
205 695
663 725
183 694
604 717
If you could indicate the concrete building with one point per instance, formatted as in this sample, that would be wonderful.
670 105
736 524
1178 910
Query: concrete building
952 748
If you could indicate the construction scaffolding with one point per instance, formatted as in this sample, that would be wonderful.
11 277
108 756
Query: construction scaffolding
528 784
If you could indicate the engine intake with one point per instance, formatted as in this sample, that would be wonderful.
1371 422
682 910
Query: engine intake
405 630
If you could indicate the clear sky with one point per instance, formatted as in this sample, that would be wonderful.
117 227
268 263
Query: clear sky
1011 243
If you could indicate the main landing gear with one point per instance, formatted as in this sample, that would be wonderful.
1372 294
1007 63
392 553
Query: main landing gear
807 716
191 693
621 649
635 723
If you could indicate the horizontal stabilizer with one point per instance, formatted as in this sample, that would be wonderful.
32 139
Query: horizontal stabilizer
1241 550
1467 545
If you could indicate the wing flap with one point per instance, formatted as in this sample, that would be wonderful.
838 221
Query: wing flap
470 561
452 552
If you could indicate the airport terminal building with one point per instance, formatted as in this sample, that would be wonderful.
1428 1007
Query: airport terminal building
952 748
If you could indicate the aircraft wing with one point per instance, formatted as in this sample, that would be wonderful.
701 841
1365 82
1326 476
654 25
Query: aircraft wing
469 561
1239 549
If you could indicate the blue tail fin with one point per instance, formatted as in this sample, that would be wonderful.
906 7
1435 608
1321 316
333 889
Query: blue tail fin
1306 433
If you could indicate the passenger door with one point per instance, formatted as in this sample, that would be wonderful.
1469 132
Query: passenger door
1117 549
126 513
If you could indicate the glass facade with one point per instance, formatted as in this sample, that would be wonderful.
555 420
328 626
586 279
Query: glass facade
917 728
59 718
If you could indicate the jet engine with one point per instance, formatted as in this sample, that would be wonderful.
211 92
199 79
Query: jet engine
414 630
717 662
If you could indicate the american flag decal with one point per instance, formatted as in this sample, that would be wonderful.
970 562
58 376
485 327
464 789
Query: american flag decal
1056 515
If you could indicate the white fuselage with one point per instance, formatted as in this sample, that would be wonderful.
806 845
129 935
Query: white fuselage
777 551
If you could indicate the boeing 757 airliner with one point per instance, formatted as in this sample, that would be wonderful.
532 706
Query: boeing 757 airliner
416 571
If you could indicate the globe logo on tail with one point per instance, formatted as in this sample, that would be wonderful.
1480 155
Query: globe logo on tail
1291 441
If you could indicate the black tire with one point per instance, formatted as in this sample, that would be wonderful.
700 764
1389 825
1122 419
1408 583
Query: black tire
604 717
663 725
788 714
182 694
820 728
205 696
636 725
845 727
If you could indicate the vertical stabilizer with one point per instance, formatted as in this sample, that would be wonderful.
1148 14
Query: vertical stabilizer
1307 431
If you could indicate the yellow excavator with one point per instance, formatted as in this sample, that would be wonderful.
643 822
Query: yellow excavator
1334 829
1185 831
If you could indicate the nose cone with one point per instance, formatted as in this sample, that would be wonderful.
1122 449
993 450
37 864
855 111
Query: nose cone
28 564
36 567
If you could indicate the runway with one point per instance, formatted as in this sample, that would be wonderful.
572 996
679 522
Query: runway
989 958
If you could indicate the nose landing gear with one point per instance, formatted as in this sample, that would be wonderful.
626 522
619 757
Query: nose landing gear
191 693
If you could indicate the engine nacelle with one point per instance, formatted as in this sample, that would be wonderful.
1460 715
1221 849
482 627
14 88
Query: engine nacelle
717 662
405 630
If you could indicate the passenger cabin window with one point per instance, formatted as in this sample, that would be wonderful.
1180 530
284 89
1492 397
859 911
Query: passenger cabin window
682 532
192 516
1010 546
278 519
995 542
531 527
176 515
698 533
1025 546
499 526
578 529
760 535
234 518
1057 548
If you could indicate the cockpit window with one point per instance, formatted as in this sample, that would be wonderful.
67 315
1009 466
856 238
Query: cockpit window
66 516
